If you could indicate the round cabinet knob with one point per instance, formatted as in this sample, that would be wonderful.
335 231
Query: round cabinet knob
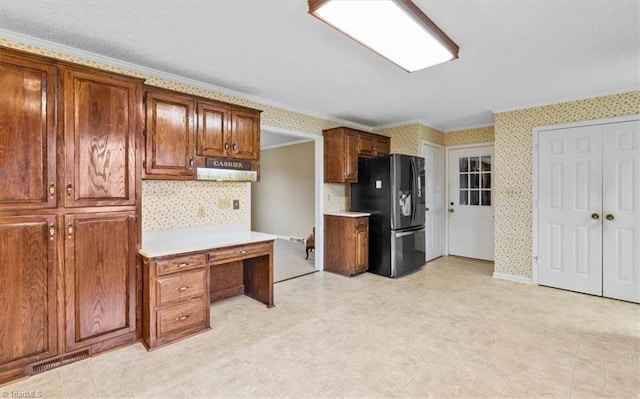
610 217
451 210
595 216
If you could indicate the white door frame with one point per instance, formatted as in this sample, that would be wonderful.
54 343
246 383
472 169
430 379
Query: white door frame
535 176
318 145
445 242
446 184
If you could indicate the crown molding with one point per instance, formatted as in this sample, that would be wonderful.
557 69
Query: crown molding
20 38
469 127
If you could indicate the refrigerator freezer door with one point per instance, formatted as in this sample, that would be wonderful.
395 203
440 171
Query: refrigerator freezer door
407 251
407 191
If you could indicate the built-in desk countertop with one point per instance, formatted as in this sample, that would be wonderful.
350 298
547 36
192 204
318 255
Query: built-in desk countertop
180 241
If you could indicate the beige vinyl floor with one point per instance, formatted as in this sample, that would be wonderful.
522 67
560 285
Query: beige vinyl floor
289 260
449 330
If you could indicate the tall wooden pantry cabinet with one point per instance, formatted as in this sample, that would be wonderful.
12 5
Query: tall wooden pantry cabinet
69 153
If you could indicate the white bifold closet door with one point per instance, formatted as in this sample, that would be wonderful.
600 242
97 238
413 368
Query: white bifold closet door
588 209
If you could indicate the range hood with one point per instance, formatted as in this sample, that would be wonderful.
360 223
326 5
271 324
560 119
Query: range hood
217 174
223 169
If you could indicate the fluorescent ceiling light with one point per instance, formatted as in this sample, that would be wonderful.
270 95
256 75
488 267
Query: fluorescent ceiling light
396 29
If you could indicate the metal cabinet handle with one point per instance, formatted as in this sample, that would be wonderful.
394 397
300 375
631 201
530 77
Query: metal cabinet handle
595 216
244 251
183 288
69 189
610 217
52 189
226 146
185 317
235 147
70 229
52 230
191 163
182 264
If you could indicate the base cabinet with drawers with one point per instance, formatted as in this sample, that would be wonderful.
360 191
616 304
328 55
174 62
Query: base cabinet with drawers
178 289
176 298
346 243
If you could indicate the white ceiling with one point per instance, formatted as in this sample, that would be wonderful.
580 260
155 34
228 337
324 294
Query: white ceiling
513 54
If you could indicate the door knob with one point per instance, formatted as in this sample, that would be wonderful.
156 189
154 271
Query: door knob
595 216
451 210
610 217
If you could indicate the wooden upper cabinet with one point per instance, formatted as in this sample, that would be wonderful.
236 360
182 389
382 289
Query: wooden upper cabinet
169 132
101 113
213 130
27 133
343 146
245 134
27 291
99 275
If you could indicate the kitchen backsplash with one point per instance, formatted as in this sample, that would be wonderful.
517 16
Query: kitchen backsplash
179 204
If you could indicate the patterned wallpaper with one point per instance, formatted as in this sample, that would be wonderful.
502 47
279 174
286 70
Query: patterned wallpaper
470 136
513 149
177 204
407 139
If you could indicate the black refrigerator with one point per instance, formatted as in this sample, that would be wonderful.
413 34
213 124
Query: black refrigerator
391 189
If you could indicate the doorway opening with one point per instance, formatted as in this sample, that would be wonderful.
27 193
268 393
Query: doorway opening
286 202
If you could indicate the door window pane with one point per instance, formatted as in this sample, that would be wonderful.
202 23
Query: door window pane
474 164
474 180
486 180
464 180
486 163
464 164
474 197
486 198
464 197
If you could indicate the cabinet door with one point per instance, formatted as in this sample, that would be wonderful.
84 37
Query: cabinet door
362 249
27 134
101 120
382 146
351 157
366 145
245 134
213 130
27 290
99 277
169 151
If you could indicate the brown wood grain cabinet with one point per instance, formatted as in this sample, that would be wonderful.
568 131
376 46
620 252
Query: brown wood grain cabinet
176 298
28 176
100 278
28 320
181 130
346 244
100 125
69 184
169 133
342 148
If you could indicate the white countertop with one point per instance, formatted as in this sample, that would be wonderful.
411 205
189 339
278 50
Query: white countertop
348 214
173 242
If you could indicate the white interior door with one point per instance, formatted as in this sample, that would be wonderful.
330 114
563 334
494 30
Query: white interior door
621 200
588 216
570 209
434 200
470 202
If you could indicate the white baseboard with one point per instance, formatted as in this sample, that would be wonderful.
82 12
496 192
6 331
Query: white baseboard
511 277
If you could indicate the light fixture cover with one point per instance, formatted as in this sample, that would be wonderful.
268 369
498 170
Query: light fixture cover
396 29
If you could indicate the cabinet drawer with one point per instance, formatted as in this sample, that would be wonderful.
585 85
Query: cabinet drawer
182 318
172 265
180 286
238 252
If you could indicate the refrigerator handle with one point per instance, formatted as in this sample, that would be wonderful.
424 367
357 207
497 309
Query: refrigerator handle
414 197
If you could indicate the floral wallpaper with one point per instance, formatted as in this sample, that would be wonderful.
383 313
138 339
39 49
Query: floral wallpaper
513 176
470 136
170 204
